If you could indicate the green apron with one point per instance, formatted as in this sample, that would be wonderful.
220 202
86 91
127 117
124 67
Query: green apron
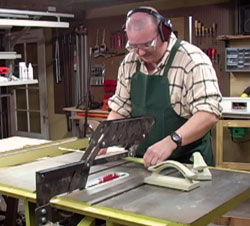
150 97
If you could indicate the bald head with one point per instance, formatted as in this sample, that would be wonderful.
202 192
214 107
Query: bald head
143 34
138 21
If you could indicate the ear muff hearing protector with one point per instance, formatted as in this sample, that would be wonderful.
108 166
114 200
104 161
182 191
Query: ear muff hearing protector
164 26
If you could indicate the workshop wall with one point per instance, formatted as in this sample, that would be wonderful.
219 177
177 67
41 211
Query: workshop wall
222 16
97 29
57 122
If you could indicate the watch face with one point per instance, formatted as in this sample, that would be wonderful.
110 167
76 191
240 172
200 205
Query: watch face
176 138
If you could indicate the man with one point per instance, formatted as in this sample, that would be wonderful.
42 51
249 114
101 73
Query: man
171 80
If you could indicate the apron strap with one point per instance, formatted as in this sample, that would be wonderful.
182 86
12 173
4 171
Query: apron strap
170 60
171 56
138 66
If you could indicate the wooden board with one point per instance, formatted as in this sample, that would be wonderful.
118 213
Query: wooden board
12 143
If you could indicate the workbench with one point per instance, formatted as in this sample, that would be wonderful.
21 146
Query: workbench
75 115
125 201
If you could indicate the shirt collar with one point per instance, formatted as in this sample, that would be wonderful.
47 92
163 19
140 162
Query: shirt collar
165 57
163 60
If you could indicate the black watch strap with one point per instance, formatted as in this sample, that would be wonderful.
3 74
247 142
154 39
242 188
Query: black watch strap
176 138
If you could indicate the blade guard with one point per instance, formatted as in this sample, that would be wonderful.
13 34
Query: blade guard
127 133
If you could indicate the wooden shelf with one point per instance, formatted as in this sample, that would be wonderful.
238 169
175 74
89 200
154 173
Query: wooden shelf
9 55
232 37
19 82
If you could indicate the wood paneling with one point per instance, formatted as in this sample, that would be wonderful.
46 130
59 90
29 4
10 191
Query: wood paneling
220 14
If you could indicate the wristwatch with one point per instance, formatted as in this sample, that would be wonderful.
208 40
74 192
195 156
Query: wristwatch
176 138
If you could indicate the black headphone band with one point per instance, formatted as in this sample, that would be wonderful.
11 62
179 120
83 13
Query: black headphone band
166 21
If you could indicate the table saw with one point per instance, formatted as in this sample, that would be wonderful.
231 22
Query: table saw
125 200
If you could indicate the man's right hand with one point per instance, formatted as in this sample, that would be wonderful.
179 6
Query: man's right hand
103 151
112 115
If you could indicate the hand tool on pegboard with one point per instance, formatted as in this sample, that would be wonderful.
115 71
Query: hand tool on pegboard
96 49
196 28
103 46
67 58
71 48
214 32
65 68
57 62
212 54
127 133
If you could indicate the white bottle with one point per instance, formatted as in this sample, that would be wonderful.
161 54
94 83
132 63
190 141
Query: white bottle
22 67
25 72
30 72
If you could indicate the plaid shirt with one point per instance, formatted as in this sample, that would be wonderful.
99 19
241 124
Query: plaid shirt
193 84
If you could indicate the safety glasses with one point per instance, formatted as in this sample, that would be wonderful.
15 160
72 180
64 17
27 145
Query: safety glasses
145 46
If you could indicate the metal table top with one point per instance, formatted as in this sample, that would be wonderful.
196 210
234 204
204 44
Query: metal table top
179 206
131 195
169 204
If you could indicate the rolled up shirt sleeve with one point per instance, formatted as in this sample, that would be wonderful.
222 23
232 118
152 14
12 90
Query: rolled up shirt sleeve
202 90
203 93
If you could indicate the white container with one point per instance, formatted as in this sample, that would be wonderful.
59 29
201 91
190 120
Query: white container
22 71
30 72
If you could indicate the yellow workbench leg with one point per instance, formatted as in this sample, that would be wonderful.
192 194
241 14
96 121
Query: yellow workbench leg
219 143
87 221
29 213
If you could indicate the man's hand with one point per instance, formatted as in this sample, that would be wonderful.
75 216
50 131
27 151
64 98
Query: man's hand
112 115
159 152
102 151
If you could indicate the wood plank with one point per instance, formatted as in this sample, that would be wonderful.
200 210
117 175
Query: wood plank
232 37
74 109
235 165
16 142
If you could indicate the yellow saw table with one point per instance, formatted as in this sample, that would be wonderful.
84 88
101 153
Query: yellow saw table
127 201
